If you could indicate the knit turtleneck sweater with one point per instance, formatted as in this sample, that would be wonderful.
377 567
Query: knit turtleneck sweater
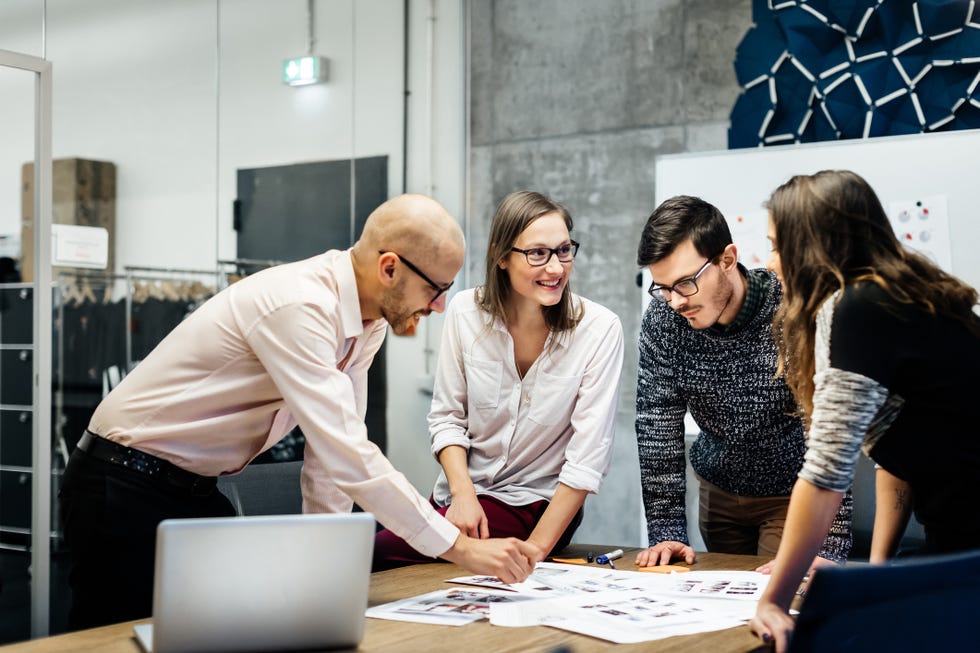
750 443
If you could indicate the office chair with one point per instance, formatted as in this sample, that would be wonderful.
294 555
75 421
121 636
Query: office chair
265 489
926 604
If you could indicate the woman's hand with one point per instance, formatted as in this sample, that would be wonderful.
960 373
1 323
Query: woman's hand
467 515
773 625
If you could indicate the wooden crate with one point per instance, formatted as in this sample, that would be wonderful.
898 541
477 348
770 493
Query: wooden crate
83 193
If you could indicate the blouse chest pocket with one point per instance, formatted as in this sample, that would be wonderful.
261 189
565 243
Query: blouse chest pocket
482 382
553 398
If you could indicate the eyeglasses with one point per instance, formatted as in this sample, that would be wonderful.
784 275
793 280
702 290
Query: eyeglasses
538 256
411 266
684 287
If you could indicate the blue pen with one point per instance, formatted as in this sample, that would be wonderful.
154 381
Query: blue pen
607 558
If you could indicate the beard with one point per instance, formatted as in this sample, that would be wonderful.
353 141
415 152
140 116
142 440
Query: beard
402 320
711 307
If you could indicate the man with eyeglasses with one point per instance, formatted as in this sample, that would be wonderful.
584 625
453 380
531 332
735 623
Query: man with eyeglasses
706 347
289 345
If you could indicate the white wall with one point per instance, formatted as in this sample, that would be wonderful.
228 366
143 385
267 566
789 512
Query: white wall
20 31
436 166
358 112
127 91
180 94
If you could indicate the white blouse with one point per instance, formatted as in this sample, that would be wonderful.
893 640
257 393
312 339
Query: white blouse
523 437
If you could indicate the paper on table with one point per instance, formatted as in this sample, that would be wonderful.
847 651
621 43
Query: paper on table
619 606
551 579
737 585
452 607
625 617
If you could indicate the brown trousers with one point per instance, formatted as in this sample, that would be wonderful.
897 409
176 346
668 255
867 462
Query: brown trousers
731 523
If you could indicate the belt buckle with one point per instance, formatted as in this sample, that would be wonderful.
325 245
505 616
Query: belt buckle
141 464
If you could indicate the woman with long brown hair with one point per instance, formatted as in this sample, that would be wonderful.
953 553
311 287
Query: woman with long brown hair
881 348
525 393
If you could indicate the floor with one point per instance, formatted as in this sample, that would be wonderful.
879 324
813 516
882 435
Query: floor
15 596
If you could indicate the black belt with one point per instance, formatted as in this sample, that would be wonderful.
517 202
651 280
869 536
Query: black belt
144 463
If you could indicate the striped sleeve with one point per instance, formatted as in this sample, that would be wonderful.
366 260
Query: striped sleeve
846 405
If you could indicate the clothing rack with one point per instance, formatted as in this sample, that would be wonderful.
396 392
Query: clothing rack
121 312
145 268
239 268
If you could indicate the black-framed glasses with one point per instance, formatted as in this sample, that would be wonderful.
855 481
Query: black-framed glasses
411 266
538 256
684 287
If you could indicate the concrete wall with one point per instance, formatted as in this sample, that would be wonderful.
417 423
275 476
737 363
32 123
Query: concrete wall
576 99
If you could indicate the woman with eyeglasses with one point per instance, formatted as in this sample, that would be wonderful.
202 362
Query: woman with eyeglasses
881 349
526 390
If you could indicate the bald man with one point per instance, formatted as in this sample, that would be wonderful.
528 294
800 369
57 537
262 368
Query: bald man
289 345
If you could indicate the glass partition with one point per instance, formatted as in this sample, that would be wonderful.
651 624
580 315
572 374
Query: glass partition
17 351
168 117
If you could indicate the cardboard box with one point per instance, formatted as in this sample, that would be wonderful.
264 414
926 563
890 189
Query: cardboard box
83 193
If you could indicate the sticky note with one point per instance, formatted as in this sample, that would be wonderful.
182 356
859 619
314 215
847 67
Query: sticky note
665 569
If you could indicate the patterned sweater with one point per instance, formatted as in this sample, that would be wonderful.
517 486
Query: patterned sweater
750 443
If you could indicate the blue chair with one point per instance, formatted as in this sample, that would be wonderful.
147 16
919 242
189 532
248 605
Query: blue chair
924 604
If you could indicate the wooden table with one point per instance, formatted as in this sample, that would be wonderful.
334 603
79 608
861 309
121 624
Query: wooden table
480 637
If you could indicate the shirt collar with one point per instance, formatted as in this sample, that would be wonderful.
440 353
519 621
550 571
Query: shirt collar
350 304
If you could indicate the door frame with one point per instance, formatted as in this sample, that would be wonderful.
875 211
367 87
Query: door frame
41 405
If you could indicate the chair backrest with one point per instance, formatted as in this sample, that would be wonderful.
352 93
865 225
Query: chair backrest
265 489
927 604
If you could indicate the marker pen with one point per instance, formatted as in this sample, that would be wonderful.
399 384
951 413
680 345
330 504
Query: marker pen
607 558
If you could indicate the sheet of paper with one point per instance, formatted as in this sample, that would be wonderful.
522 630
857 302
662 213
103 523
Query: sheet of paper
551 579
450 607
736 585
625 617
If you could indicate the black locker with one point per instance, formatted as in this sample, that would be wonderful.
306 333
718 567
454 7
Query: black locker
15 499
15 438
16 316
16 374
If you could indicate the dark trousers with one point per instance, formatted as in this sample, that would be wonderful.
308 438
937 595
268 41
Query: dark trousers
109 519
503 520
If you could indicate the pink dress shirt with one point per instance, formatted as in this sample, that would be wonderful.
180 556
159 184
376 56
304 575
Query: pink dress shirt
284 346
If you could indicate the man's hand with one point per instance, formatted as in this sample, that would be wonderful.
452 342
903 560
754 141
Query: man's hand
662 552
466 514
773 625
509 559
816 564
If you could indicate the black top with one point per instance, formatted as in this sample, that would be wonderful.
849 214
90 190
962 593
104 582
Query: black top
917 375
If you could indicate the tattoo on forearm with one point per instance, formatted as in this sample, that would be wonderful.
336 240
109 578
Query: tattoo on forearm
901 499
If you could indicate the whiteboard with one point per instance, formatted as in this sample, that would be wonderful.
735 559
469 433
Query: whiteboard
933 178
939 172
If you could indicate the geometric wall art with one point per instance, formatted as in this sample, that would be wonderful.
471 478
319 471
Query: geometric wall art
818 70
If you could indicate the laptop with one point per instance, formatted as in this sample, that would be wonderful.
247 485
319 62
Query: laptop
925 604
265 583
